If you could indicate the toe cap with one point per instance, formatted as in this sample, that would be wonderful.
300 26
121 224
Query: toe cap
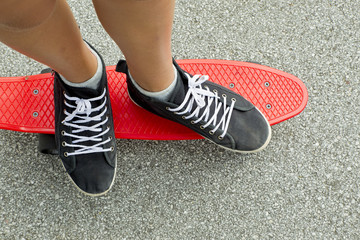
93 175
250 130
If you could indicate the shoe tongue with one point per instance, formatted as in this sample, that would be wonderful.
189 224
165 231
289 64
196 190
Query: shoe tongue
179 91
84 93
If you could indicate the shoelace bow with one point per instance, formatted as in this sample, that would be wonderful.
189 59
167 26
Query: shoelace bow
197 94
82 111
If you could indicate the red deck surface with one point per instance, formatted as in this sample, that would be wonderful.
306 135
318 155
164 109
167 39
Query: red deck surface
27 103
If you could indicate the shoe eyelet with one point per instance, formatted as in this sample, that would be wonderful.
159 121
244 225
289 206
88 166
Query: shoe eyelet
64 111
167 108
211 132
63 143
63 133
183 117
192 122
112 149
66 154
64 101
64 92
110 138
224 95
202 127
220 138
215 91
233 99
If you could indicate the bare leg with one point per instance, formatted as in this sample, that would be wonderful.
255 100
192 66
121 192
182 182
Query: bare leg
47 32
142 30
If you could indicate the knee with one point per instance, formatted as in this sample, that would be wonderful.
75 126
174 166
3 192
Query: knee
24 14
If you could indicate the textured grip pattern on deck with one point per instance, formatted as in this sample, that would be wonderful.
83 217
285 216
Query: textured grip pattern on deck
273 94
26 103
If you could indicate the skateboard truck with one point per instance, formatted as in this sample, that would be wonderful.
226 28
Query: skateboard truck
47 144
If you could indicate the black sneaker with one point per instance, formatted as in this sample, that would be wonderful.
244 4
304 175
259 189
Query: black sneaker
84 135
209 109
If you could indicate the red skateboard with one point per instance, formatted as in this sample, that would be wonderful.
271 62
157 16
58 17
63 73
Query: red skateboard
27 104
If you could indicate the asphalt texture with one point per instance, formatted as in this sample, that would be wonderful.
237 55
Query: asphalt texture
304 185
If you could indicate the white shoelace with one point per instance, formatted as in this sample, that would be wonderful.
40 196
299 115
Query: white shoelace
198 94
82 111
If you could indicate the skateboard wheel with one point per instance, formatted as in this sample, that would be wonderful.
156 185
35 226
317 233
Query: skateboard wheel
47 144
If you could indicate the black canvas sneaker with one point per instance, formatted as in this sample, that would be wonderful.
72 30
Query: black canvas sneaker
213 111
84 135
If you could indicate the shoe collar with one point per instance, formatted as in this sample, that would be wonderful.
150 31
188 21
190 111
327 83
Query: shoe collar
81 92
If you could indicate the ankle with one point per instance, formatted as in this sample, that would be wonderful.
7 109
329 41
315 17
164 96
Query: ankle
85 69
162 95
154 80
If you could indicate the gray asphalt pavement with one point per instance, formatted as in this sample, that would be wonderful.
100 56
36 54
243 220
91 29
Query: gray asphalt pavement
305 185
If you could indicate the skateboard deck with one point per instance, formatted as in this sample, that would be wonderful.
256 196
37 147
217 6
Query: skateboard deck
27 102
